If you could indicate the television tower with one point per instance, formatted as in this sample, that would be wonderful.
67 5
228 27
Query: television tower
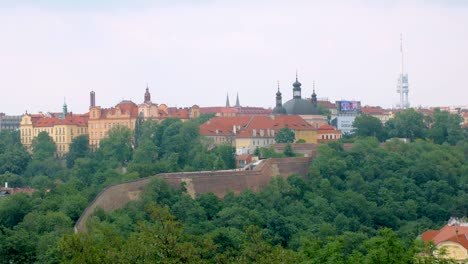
403 86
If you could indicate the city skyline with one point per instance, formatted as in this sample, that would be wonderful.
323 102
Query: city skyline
196 53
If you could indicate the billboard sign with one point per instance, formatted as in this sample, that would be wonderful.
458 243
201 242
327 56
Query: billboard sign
348 106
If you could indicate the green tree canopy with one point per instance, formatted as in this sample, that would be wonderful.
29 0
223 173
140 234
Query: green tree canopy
43 146
118 145
13 156
446 128
79 148
407 124
368 126
285 135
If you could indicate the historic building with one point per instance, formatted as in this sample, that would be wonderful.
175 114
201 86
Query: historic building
126 113
61 127
8 122
307 108
101 120
378 112
246 133
327 133
452 238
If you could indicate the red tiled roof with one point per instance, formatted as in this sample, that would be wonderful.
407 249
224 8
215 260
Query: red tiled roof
327 104
452 233
70 119
246 124
374 110
182 113
126 107
243 110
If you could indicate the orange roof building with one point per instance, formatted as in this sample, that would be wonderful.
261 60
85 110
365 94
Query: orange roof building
125 113
249 132
61 127
453 238
327 133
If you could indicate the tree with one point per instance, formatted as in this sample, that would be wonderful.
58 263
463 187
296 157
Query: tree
137 134
368 126
13 156
288 151
227 154
118 145
407 124
285 135
43 146
205 117
446 128
79 148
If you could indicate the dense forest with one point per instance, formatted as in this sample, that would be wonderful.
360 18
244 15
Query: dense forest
363 205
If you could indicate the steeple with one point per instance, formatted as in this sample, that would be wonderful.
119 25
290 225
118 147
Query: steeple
227 101
65 110
237 101
314 95
147 95
279 109
279 98
297 88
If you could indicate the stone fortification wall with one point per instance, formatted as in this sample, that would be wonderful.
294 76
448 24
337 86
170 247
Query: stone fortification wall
218 182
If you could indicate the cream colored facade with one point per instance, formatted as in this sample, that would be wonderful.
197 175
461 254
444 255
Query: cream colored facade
102 120
452 250
62 131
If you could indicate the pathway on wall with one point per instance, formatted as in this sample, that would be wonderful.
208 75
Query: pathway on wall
218 182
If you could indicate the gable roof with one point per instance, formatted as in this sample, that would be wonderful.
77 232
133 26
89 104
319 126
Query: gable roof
70 119
246 125
454 233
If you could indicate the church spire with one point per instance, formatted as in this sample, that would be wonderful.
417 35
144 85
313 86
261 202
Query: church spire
65 109
279 109
237 100
227 100
297 88
314 95
147 95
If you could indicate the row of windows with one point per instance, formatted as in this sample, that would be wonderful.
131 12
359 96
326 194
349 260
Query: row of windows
330 136
263 142
111 125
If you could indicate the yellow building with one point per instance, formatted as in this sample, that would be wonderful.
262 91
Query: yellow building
102 120
62 128
126 113
246 133
452 239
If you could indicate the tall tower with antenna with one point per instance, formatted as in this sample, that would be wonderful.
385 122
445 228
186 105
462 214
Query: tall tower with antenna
403 86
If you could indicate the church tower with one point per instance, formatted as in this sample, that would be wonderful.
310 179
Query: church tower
227 101
237 101
279 109
314 95
147 96
297 89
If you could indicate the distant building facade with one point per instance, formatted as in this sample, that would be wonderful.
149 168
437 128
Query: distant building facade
306 108
61 127
378 112
125 113
8 122
246 133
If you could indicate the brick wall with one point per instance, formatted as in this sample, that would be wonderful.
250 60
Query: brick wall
218 182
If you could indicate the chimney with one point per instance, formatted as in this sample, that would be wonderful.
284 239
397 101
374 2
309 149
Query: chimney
92 99
234 129
6 184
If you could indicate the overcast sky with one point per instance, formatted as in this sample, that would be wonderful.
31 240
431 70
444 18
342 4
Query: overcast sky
195 52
